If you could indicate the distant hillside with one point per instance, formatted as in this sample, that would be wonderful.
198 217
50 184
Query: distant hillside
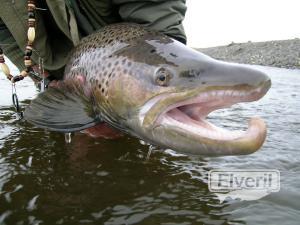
284 53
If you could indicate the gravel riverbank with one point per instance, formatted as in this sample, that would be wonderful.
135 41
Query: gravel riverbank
285 54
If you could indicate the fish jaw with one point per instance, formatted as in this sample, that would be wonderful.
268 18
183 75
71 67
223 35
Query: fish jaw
177 121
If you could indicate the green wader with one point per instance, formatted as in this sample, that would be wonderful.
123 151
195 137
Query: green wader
65 22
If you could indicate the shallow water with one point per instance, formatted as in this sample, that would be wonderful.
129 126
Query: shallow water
44 180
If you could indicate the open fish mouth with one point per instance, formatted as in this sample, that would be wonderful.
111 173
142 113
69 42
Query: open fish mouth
190 115
187 117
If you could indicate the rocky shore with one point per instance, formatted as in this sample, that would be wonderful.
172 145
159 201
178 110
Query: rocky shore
285 54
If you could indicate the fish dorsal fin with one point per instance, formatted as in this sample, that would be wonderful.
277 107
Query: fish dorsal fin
64 108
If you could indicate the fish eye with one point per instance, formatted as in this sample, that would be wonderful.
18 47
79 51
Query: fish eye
163 77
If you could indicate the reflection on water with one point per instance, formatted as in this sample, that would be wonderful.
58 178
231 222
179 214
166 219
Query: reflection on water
44 180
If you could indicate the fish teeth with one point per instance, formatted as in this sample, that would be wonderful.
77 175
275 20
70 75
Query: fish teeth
222 93
213 134
205 95
228 93
235 93
213 93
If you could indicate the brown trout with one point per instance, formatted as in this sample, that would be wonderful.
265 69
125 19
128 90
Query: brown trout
153 87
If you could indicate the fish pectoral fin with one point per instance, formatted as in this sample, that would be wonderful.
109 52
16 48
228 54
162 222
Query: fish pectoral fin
64 108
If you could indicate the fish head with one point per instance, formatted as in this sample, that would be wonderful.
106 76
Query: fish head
163 91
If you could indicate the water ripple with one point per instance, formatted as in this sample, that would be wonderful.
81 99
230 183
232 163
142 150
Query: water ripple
43 180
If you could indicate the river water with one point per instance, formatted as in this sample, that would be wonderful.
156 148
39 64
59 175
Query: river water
44 180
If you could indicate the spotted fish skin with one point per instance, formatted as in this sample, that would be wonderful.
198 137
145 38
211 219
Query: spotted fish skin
152 87
116 52
99 56
109 75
